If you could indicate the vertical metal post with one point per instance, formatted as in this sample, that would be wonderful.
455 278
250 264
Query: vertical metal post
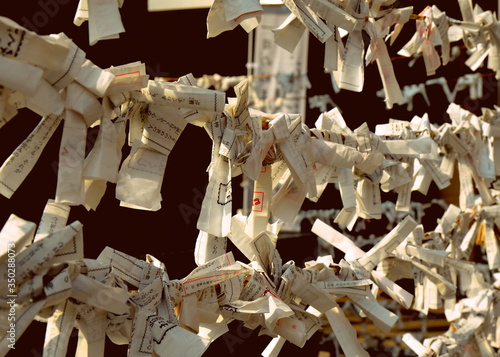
246 183
250 53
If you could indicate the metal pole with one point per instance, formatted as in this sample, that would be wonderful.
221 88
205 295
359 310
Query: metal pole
246 183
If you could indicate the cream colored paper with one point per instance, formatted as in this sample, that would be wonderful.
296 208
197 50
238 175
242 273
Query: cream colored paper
15 169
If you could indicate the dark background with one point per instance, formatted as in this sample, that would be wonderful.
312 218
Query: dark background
173 44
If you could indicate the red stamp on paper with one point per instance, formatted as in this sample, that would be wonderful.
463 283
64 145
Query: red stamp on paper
258 202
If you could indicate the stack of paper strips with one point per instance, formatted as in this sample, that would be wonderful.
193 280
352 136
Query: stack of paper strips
45 276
